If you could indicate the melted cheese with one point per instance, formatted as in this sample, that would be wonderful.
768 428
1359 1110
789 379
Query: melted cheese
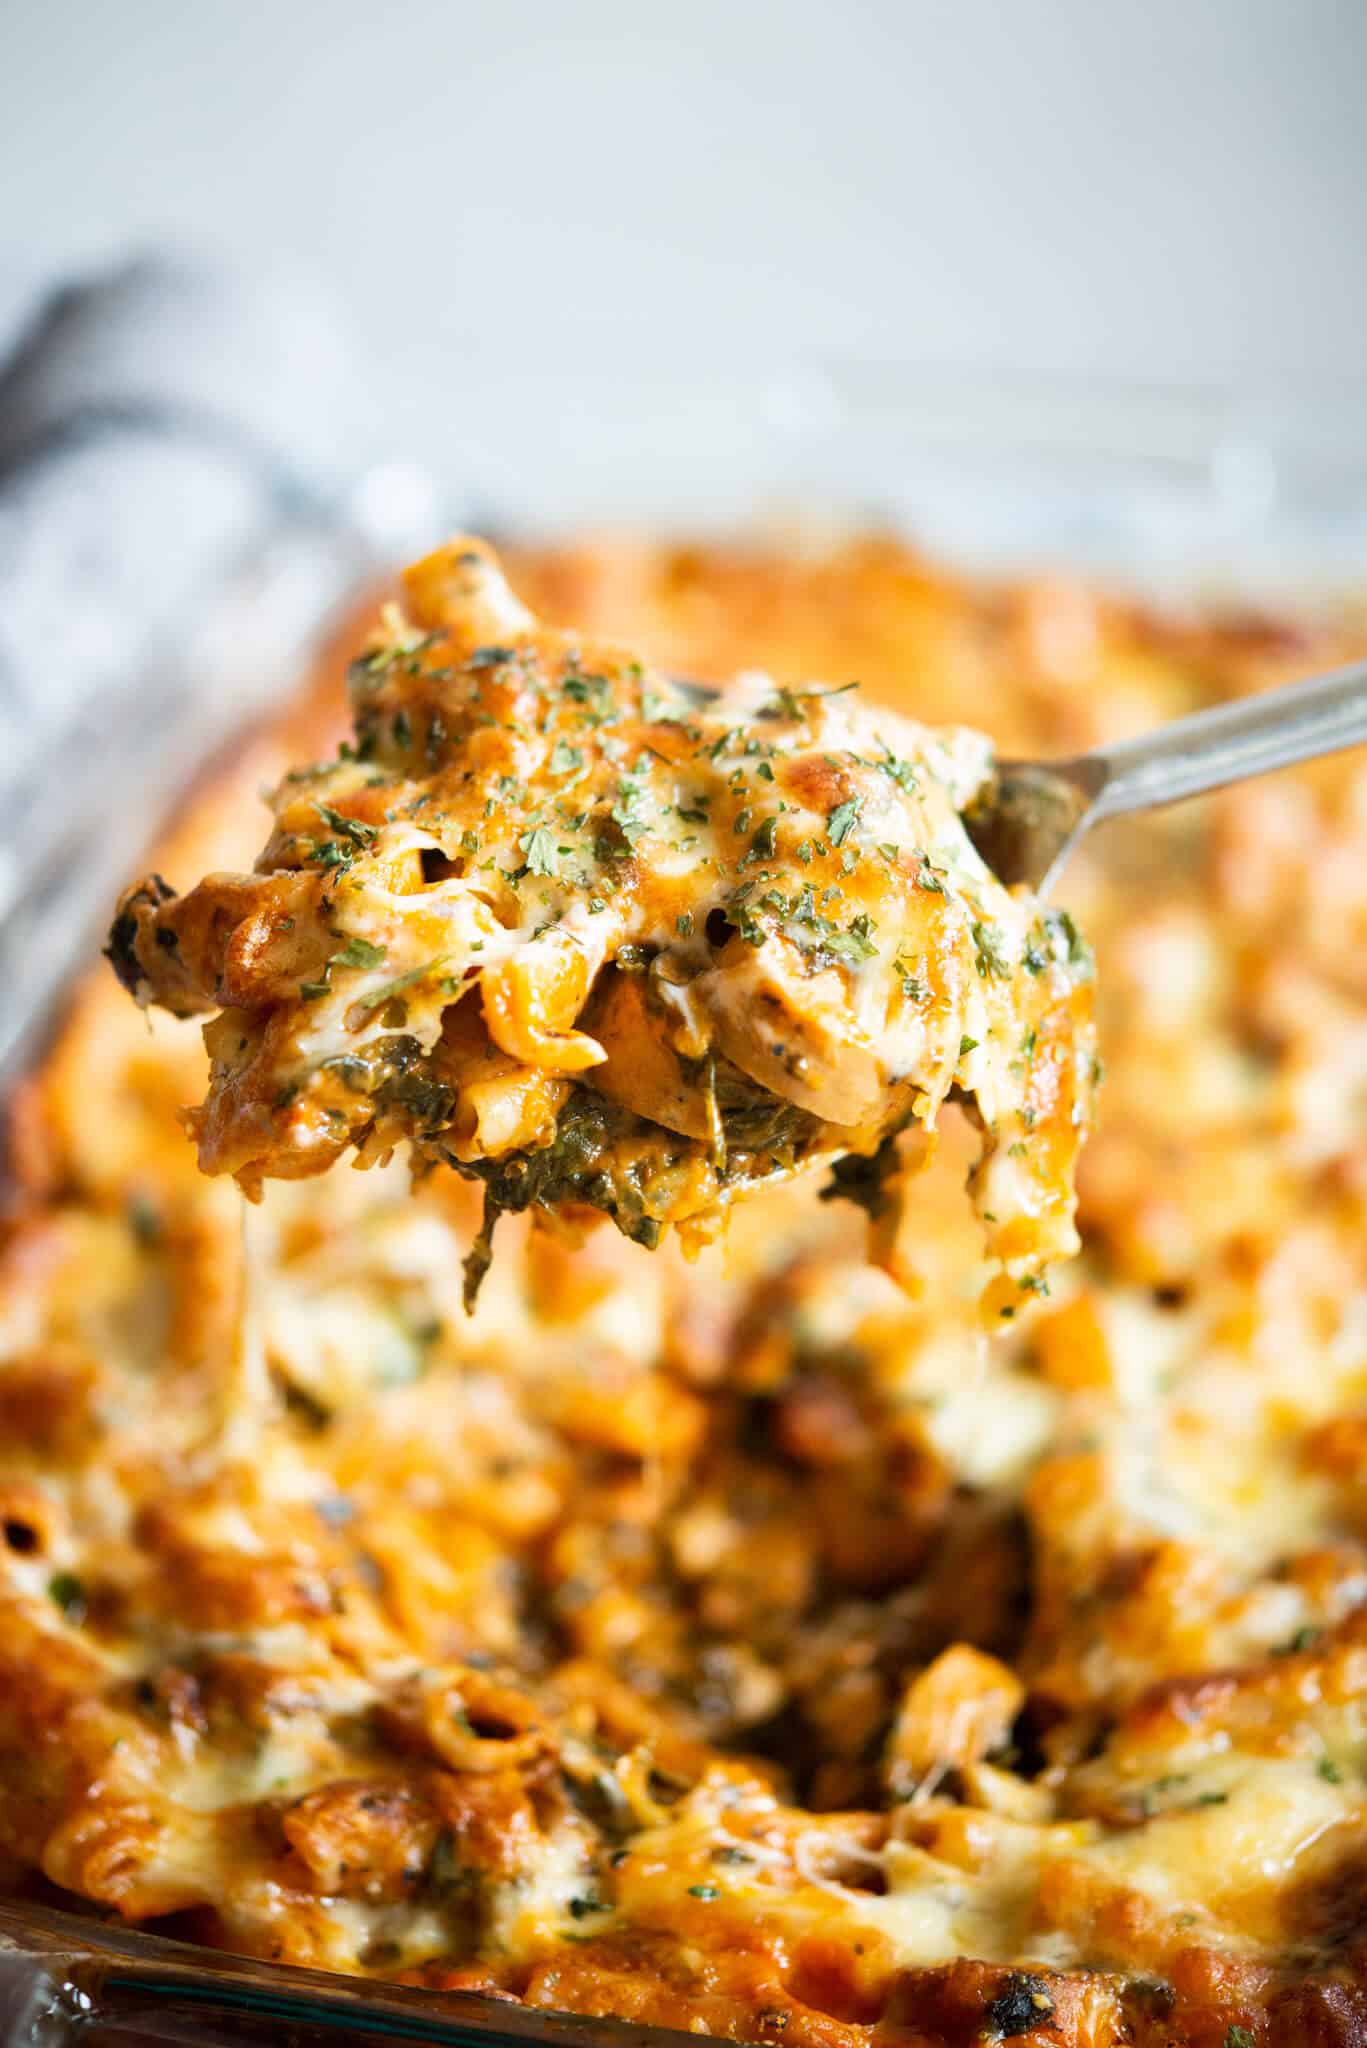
549 909
653 1641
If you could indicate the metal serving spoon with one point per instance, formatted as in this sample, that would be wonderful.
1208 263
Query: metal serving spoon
1032 814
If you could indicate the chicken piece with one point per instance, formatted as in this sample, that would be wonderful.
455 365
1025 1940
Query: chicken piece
604 947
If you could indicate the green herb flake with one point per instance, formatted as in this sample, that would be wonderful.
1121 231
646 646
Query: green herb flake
704 1891
354 829
967 1045
840 823
391 989
541 851
628 812
989 954
764 842
1075 948
683 924
66 1591
901 772
328 854
784 703
358 953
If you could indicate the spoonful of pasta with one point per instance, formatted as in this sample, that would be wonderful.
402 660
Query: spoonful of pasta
614 946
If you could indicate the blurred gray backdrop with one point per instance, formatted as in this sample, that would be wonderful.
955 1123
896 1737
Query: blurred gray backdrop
1170 190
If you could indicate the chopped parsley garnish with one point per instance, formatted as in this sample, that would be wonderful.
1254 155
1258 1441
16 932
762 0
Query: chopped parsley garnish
989 954
595 694
628 812
358 953
840 823
1305 1638
1057 938
541 851
704 1891
786 703
901 772
66 1591
1076 949
967 1045
396 987
328 854
854 944
353 829
763 843
372 666
565 759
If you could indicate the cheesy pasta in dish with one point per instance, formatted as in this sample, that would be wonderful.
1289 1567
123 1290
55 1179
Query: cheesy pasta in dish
609 945
751 1646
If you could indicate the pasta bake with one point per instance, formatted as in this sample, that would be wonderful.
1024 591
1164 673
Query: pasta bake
755 1646
605 944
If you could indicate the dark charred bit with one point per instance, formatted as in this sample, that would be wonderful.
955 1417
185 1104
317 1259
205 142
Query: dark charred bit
1024 2002
122 950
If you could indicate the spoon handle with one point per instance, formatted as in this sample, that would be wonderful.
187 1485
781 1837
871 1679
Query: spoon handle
1273 729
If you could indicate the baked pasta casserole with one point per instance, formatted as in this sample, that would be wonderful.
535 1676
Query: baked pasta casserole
758 1645
608 944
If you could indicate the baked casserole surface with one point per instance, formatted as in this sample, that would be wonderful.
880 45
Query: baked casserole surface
753 1645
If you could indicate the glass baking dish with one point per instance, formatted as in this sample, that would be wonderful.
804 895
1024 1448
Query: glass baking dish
63 1978
1178 492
